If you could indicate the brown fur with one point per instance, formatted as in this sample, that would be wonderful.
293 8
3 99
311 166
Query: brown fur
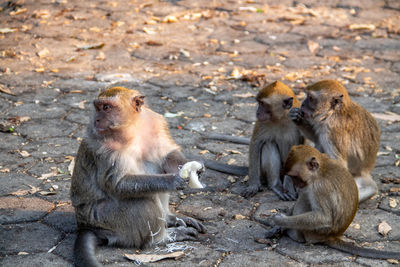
342 129
273 135
326 205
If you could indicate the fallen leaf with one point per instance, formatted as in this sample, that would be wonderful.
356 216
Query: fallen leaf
384 228
81 104
23 192
170 19
18 11
149 30
43 53
245 95
204 152
146 258
23 253
91 46
101 56
47 193
231 161
231 179
5 90
387 116
7 30
48 175
24 153
356 226
239 217
393 261
312 46
173 115
5 170
71 166
41 69
392 202
153 43
370 27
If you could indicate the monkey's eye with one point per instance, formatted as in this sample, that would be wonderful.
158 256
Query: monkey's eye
106 107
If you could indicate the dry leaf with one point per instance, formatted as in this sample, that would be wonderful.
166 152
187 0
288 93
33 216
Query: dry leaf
204 152
231 161
71 166
7 30
239 217
312 46
384 228
47 193
101 56
23 192
91 46
5 90
81 104
41 69
43 53
392 202
170 19
231 179
5 170
149 30
387 116
24 153
393 261
146 258
18 11
356 226
48 175
245 95
370 27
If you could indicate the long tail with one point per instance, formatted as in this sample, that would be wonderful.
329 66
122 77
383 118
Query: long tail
84 250
229 138
351 248
225 168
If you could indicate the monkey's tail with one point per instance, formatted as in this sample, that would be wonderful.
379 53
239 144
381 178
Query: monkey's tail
84 250
351 248
229 138
225 168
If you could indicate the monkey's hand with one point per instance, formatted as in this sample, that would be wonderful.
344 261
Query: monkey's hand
278 219
250 191
175 221
296 115
181 233
275 231
192 170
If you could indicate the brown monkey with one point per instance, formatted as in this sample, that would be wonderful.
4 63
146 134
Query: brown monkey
273 136
125 168
342 129
326 205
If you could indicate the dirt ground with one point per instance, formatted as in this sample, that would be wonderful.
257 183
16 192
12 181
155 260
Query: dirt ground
200 64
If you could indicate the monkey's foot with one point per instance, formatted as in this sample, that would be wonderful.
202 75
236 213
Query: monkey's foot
275 231
194 223
250 191
182 233
284 195
192 170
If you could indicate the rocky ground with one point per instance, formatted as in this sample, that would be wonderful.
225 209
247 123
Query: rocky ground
200 63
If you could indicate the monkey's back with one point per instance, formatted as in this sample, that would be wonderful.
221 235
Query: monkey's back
361 143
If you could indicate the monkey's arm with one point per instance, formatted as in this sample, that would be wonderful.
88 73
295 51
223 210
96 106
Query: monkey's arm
132 186
308 221
297 116
254 169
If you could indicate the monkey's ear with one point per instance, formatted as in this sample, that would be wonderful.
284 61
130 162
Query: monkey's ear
313 164
337 102
287 103
137 102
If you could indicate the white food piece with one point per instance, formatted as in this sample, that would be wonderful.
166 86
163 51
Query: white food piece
189 170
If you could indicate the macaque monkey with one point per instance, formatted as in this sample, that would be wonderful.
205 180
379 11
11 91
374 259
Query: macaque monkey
342 129
125 168
326 205
273 136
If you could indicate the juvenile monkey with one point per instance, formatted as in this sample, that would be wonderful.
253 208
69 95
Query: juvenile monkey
273 136
342 129
125 168
326 205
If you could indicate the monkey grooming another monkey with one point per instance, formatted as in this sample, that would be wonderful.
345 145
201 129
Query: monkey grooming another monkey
342 129
326 205
125 168
273 136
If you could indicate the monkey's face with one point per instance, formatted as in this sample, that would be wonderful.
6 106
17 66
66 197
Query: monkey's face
273 108
107 117
321 103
